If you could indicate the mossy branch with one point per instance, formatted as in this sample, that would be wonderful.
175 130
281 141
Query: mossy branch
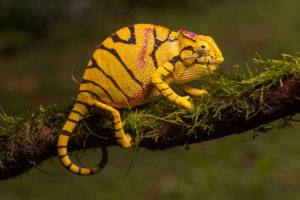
238 102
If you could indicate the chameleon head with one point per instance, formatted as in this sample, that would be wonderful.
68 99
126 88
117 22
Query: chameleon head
207 51
199 49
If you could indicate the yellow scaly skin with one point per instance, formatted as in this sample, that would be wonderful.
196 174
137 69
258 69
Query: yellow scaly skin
132 66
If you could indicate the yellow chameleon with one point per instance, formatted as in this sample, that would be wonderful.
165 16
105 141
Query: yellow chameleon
130 67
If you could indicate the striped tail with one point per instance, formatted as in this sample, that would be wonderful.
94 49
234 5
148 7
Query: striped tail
79 110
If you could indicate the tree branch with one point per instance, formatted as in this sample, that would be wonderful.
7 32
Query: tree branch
30 139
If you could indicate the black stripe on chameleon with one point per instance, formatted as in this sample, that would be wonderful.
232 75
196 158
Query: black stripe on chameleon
79 170
95 65
157 44
69 166
90 92
62 156
77 112
131 40
169 94
174 60
115 123
190 48
84 81
72 120
159 83
88 106
91 171
115 53
166 69
163 89
117 130
187 48
65 133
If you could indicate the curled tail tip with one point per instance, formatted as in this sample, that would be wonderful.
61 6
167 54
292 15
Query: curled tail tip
70 166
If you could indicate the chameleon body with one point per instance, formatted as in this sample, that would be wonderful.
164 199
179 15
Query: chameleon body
130 67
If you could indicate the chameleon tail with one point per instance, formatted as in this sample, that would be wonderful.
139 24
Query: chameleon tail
77 112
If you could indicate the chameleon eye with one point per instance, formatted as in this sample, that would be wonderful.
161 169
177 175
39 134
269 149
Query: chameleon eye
203 48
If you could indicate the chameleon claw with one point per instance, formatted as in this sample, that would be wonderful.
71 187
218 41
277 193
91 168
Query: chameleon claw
190 106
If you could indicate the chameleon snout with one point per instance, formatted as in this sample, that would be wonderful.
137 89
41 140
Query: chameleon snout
207 59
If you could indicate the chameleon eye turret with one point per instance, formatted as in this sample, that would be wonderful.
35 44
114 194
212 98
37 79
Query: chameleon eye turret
203 48
129 68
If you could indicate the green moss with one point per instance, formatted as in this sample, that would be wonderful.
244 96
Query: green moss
240 90
26 128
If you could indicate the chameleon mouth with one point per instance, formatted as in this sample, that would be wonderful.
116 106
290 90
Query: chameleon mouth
208 60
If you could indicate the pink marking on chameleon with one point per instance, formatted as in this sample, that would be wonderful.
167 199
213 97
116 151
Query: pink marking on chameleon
192 35
141 60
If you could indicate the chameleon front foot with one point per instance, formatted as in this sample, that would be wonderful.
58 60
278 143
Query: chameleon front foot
184 102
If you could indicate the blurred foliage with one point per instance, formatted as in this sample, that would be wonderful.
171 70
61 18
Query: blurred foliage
42 42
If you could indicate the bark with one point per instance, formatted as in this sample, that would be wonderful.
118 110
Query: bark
279 101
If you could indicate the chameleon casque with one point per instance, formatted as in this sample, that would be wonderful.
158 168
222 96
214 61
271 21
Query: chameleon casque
130 67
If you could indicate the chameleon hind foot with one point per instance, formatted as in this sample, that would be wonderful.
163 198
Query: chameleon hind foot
200 93
125 141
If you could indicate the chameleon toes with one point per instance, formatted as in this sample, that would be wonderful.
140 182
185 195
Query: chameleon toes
201 93
188 105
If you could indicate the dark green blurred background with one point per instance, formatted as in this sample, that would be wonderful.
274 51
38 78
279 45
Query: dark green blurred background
43 42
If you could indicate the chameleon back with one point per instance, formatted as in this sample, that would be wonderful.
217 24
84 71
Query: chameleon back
119 72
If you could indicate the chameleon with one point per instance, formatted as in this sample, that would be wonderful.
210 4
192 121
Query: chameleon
129 68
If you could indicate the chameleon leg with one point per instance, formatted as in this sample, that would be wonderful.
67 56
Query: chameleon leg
124 140
192 91
165 89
